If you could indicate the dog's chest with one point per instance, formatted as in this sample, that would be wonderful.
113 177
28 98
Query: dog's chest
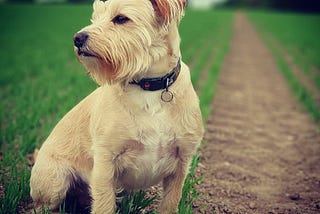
154 154
155 130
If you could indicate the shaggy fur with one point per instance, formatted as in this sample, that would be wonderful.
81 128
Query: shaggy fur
121 136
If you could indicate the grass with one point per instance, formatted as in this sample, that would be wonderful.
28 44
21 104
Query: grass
298 34
202 30
36 52
203 41
37 66
16 189
302 94
207 89
135 203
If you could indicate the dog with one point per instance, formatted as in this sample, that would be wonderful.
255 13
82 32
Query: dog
143 123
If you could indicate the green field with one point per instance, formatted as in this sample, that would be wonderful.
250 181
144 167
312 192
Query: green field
41 80
298 35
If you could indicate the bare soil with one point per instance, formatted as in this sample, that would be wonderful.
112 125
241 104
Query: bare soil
262 151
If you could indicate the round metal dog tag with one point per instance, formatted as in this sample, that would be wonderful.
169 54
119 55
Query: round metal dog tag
166 96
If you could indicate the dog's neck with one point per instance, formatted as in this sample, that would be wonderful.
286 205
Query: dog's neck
158 83
169 59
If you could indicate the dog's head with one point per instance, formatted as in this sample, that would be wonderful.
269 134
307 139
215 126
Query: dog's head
126 37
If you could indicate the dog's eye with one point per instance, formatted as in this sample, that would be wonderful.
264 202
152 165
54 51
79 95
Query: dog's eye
120 19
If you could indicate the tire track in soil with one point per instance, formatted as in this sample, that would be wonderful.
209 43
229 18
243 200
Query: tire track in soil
262 152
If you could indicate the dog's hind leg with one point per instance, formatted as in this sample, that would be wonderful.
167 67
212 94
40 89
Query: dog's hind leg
50 180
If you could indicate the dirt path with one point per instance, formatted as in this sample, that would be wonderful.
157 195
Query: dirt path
262 152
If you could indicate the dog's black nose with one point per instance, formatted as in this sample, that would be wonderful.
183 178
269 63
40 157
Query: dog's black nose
80 39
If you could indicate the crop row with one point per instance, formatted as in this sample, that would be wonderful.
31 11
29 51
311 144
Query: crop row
293 40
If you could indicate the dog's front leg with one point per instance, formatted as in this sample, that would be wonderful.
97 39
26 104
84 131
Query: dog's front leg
172 188
102 184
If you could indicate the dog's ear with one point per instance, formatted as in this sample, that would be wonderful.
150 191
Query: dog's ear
169 10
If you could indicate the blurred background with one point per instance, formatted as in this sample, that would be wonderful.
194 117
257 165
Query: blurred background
293 5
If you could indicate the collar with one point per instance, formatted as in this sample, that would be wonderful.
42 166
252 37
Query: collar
158 83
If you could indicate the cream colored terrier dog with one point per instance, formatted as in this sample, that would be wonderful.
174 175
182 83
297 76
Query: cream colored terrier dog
141 126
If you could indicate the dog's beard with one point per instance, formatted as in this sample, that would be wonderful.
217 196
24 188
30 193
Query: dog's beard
111 64
101 70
